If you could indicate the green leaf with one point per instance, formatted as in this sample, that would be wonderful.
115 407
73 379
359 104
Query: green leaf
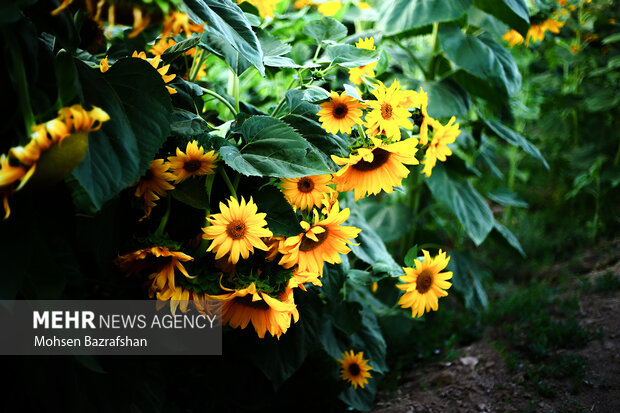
223 49
172 53
481 58
300 101
349 56
326 28
272 149
390 222
185 123
411 256
226 20
506 197
512 12
10 10
66 77
516 139
281 218
134 96
402 17
510 238
464 201
371 248
312 131
446 98
345 315
467 280
193 193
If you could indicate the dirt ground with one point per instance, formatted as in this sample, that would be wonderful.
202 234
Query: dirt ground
479 380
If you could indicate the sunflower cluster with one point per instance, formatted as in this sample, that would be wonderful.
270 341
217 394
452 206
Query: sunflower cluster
55 148
536 32
379 153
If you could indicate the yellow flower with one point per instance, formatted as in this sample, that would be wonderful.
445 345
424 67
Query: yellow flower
265 7
161 46
299 278
245 305
160 261
177 21
300 4
363 5
180 297
340 113
104 66
139 22
162 70
537 31
321 242
193 162
329 8
513 37
354 368
377 168
419 101
388 113
10 176
356 73
274 245
306 192
154 184
236 230
438 147
425 284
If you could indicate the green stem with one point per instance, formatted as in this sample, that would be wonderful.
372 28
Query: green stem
316 53
237 180
23 96
236 91
412 56
229 184
434 53
361 132
164 219
221 99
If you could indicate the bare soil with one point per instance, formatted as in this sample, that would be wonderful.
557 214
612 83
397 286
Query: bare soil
478 380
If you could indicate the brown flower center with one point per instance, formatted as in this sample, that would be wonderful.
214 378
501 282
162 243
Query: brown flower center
386 111
340 110
424 281
148 175
305 185
192 166
236 229
308 244
380 156
354 369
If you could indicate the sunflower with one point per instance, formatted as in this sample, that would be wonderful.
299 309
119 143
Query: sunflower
306 192
193 162
356 73
265 7
181 297
236 230
10 176
388 114
300 4
177 21
245 305
274 245
162 70
354 368
299 278
160 261
438 147
377 168
425 284
154 184
513 37
340 113
320 242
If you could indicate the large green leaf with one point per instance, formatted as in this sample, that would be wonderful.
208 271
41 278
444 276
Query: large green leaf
516 139
349 56
464 201
512 12
134 96
401 17
281 218
371 248
510 238
446 98
326 28
226 20
313 132
272 149
467 280
186 123
482 59
390 222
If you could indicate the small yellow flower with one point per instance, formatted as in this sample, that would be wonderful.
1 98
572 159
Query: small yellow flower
356 73
194 162
438 147
513 37
387 113
104 66
265 7
329 8
354 368
306 192
154 184
340 113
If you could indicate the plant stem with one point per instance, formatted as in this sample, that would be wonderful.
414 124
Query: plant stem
23 96
236 91
164 219
434 53
316 53
412 56
229 184
221 99
275 111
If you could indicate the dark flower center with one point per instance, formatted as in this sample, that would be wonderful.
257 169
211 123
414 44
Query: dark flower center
308 244
305 185
417 117
340 110
246 301
386 111
381 156
354 369
192 166
424 281
148 175
236 229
